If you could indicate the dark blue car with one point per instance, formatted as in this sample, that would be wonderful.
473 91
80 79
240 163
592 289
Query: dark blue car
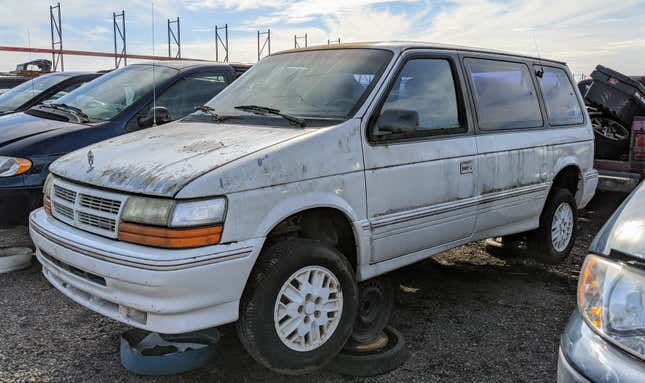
47 87
125 100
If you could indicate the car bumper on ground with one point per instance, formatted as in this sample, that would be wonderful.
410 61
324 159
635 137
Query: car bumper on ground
165 291
617 181
586 357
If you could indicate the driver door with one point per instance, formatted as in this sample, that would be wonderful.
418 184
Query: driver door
420 160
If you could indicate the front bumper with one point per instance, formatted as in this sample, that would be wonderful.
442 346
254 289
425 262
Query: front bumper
587 357
16 203
165 291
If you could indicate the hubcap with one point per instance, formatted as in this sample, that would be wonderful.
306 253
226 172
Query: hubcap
308 308
562 227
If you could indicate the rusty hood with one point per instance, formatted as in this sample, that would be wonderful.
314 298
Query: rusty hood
160 161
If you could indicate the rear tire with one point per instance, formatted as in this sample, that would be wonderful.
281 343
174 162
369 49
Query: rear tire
287 320
553 240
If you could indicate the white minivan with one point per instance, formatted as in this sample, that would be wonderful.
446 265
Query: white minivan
315 172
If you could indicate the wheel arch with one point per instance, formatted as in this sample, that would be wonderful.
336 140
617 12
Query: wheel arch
568 175
315 204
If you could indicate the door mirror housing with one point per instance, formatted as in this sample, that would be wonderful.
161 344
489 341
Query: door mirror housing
161 114
396 121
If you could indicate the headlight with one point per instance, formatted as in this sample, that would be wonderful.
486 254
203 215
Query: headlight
47 187
149 211
47 193
12 166
172 224
611 298
198 213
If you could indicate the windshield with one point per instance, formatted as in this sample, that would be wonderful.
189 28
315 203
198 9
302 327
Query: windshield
108 95
14 98
319 84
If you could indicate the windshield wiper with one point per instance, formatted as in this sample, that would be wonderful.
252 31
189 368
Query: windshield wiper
263 110
210 110
76 112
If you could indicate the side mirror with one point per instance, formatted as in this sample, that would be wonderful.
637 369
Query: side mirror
396 121
160 113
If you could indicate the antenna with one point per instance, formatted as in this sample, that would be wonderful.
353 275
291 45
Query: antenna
218 41
176 37
55 26
296 40
265 44
120 30
30 57
337 41
154 90
540 71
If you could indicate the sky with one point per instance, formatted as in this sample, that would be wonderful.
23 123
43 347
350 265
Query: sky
582 33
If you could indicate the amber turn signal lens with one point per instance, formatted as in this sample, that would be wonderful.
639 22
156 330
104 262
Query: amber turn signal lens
170 238
47 204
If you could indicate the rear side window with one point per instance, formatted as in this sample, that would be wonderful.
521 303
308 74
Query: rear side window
562 106
422 101
505 97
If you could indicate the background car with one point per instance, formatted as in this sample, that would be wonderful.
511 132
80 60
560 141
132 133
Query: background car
47 87
131 98
8 82
605 338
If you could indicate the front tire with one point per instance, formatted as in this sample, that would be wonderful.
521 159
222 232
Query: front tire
299 306
553 240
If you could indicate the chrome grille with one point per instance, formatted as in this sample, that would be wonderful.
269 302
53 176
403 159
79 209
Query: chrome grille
93 220
92 210
65 211
102 204
65 194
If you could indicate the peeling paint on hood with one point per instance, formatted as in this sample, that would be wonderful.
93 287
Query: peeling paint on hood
160 161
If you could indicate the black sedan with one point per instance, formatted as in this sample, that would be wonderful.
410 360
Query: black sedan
134 97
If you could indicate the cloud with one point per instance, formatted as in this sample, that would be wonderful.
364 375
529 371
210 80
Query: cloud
582 33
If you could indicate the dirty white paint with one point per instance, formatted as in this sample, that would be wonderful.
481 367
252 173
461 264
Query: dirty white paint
406 201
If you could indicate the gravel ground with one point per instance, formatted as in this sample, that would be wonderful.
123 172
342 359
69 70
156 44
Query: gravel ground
467 316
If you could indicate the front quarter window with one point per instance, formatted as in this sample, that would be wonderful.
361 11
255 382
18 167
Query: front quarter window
328 83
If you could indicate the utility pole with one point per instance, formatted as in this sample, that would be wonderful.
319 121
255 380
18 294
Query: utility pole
296 39
57 37
337 41
119 30
265 44
218 41
174 36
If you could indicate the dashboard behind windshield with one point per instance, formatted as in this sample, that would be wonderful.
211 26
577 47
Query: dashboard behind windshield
329 83
110 94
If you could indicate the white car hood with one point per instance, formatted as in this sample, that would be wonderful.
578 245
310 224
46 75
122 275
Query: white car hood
160 161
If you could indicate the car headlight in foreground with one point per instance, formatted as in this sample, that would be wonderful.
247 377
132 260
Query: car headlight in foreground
13 166
168 223
611 299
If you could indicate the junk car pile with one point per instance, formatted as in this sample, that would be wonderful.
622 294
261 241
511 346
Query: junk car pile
616 105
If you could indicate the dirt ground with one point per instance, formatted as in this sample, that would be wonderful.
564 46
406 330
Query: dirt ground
467 316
